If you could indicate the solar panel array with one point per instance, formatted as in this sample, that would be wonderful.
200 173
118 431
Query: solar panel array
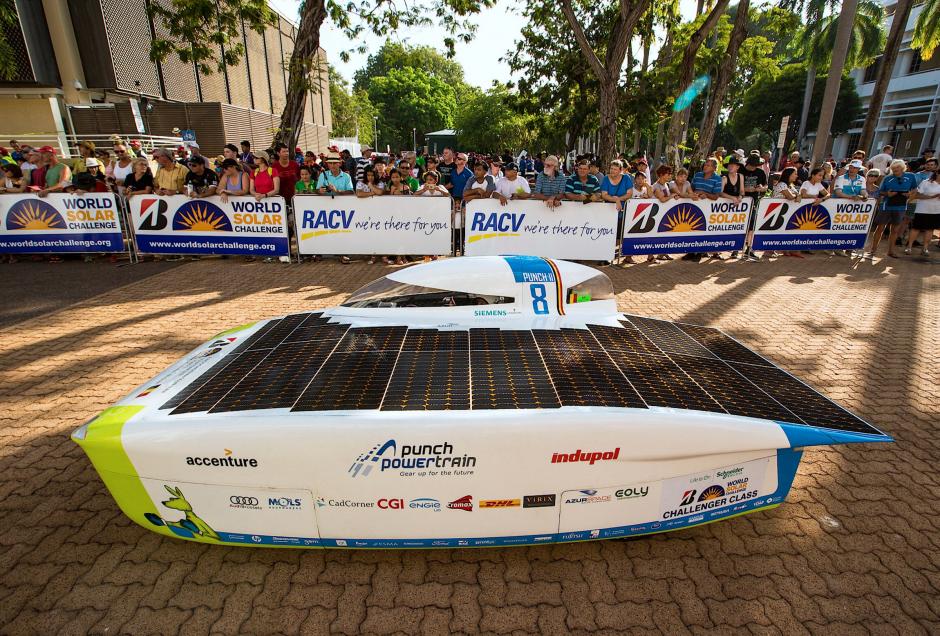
304 362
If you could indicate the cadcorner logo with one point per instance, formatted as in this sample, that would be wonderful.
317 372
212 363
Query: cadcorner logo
226 460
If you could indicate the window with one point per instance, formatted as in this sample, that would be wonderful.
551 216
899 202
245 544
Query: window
916 62
387 293
595 288
871 71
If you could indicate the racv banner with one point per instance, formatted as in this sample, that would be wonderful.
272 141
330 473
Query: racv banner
401 225
182 225
60 223
834 224
573 230
684 225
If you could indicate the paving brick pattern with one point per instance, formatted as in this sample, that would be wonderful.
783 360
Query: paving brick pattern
855 548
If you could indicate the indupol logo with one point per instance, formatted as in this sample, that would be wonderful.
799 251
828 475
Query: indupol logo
589 457
464 503
388 456
227 460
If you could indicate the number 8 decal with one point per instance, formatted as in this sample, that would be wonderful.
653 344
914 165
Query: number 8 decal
539 301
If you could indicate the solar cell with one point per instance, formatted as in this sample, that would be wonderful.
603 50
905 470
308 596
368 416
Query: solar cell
194 386
501 339
435 340
722 345
317 330
513 379
732 391
668 337
278 333
349 381
258 335
808 404
363 339
565 338
212 391
623 341
429 381
660 382
588 378
279 379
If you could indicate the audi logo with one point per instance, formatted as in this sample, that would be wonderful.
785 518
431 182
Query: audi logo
243 501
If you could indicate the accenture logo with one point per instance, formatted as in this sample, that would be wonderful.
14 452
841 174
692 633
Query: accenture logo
227 460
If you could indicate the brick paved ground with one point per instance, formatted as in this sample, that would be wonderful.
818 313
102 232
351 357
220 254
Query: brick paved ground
856 548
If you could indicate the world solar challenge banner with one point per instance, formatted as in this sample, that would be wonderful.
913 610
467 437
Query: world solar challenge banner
60 223
573 230
374 225
682 226
180 225
834 224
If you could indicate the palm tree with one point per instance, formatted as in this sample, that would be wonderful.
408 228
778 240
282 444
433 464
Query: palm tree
841 43
898 26
927 29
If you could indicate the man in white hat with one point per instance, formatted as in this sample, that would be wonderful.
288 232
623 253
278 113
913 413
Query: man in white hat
851 185
334 180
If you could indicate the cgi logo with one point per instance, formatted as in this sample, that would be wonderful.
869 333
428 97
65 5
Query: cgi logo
391 504
284 503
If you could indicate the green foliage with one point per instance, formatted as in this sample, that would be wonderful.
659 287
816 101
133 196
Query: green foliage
8 21
409 98
927 29
352 113
488 123
769 100
866 42
394 55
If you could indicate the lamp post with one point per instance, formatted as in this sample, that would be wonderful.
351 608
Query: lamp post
375 131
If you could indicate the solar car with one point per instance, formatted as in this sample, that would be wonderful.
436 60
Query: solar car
488 401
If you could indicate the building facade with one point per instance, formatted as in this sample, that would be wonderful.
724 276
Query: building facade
911 108
83 67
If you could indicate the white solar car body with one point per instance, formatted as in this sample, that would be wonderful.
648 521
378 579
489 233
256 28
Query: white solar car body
466 402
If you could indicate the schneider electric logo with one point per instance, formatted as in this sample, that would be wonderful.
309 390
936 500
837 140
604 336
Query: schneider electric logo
413 460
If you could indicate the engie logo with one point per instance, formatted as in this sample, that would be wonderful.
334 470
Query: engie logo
590 458
412 457
425 503
326 222
464 503
499 503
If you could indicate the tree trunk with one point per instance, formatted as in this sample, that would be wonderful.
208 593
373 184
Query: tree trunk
686 71
642 89
607 134
303 61
807 99
658 153
834 80
719 87
898 25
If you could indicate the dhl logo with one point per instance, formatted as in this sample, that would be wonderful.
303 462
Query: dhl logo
499 503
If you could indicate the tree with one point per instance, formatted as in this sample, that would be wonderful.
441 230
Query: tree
771 99
409 98
720 86
846 24
394 55
352 113
927 29
612 48
8 20
866 39
886 65
488 122
207 34
686 73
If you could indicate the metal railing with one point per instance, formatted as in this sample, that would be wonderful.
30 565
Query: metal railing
70 146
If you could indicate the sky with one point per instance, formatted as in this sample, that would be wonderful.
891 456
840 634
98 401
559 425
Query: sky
497 29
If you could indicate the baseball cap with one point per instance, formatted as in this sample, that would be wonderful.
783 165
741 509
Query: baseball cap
510 166
855 163
48 149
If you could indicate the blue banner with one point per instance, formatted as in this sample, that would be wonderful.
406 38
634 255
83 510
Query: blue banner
679 226
60 223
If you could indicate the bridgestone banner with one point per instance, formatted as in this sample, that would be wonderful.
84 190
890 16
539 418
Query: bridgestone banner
60 223
573 230
394 225
181 225
683 226
834 224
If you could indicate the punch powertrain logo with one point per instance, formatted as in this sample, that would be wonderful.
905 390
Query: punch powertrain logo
325 222
463 503
590 457
201 216
810 217
495 225
589 496
499 503
538 501
425 503
410 458
712 492
683 218
644 218
227 460
33 215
